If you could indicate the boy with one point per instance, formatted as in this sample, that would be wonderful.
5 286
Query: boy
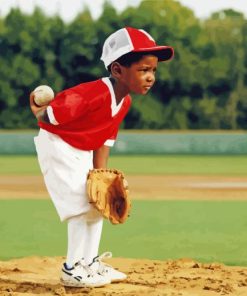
77 130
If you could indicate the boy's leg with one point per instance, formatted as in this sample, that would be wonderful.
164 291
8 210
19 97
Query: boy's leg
76 272
84 233
76 239
93 236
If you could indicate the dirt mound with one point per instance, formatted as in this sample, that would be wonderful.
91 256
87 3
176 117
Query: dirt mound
160 187
185 277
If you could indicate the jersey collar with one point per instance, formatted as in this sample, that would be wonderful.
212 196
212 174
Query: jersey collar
114 106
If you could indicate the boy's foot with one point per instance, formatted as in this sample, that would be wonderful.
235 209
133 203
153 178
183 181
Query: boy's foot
81 275
107 270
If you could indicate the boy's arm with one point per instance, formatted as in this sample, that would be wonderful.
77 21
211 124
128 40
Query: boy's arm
100 157
39 112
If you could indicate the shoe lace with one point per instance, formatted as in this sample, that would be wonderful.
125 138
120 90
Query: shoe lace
102 265
81 264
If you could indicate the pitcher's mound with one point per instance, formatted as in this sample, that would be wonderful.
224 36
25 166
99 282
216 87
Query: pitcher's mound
184 277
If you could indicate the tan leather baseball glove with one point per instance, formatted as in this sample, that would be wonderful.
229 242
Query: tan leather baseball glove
108 192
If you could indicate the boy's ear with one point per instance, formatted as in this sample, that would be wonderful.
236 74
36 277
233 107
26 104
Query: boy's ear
116 69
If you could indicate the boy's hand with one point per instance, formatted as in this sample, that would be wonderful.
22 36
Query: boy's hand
108 192
35 108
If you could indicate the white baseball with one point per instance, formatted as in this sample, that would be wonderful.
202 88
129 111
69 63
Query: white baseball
43 94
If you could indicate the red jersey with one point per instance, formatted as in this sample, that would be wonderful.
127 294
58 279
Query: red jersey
87 116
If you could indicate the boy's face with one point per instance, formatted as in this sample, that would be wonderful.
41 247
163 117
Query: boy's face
140 76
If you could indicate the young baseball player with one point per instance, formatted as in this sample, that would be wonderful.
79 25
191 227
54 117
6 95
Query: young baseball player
77 129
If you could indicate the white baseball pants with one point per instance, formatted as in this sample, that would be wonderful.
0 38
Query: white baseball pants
65 170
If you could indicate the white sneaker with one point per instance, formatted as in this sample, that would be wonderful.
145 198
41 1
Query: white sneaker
81 275
107 270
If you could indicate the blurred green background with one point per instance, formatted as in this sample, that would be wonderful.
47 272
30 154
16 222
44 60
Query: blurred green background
204 86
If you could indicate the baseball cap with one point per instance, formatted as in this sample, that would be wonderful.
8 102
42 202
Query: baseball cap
130 39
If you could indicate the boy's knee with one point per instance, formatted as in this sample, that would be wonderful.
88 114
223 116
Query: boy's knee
93 215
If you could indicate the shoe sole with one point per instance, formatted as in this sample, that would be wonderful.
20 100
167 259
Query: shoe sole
81 285
118 280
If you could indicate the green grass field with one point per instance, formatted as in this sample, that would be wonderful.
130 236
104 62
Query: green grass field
203 230
234 165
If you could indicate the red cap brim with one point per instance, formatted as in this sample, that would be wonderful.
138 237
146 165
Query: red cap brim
164 53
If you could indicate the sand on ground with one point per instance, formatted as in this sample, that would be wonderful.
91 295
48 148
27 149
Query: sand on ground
160 187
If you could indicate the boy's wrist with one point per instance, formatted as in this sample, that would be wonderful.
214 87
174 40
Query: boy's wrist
42 115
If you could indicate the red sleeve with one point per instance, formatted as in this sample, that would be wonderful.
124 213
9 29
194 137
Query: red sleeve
68 105
111 140
114 135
